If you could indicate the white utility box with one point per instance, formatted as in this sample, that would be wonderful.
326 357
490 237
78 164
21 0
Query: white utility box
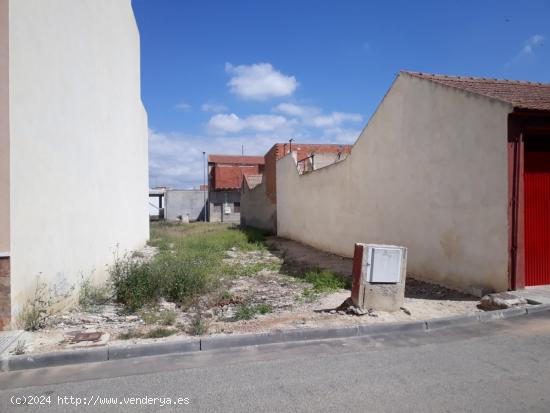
383 263
379 275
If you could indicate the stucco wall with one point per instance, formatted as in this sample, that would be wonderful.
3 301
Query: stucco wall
429 172
78 141
257 210
4 131
184 202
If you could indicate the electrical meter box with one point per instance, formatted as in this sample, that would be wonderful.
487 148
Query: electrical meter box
379 273
383 263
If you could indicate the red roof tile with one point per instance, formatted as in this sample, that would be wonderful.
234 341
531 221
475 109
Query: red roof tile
230 177
521 94
236 159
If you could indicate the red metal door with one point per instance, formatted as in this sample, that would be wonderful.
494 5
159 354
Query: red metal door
537 217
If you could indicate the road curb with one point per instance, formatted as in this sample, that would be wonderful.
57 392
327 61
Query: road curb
118 352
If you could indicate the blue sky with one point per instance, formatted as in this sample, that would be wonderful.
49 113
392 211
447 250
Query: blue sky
217 75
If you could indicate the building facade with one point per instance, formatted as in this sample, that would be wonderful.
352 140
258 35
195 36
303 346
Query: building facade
456 169
225 175
71 122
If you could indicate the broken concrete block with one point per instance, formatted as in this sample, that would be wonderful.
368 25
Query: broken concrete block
499 301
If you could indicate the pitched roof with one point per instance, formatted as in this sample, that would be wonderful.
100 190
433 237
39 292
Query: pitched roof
521 94
230 177
253 180
236 159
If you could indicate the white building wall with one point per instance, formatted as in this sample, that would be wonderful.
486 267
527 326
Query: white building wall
428 172
78 134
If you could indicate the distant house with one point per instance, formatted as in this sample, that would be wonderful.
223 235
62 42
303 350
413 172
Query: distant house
156 203
457 169
225 174
259 192
71 122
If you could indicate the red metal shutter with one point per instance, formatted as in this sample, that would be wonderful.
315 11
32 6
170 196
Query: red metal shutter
537 218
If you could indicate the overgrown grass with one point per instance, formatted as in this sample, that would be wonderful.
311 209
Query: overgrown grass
189 263
264 308
250 269
160 332
244 312
130 334
325 281
167 318
248 312
37 309
199 326
91 295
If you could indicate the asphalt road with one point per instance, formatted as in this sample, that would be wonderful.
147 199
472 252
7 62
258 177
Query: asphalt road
496 367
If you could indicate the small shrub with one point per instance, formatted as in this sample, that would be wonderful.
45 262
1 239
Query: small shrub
134 283
167 318
149 317
226 295
20 347
160 332
91 295
199 326
244 312
37 310
264 308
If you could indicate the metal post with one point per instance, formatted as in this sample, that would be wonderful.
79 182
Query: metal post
204 182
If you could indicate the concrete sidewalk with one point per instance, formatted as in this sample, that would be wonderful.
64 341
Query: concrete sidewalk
208 343
500 366
535 295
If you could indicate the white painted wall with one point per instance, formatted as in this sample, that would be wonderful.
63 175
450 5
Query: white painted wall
257 210
4 131
78 133
428 172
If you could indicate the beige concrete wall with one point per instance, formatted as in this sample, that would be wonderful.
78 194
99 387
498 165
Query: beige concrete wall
257 210
78 141
428 172
4 131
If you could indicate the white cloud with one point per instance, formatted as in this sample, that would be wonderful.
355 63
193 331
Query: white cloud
292 109
528 49
230 123
312 115
176 160
213 107
225 124
183 106
531 43
334 119
259 81
341 135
